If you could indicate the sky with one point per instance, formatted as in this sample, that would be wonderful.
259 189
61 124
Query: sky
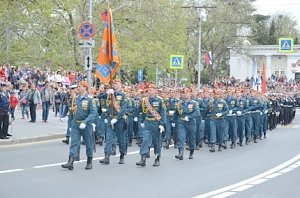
270 7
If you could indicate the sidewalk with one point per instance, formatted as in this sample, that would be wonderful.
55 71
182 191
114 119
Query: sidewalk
23 131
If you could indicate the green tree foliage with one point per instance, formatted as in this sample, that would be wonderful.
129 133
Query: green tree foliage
148 32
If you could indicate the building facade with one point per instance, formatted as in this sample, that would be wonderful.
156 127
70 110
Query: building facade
242 61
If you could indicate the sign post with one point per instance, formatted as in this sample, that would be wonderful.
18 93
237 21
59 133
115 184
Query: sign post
176 62
140 75
86 32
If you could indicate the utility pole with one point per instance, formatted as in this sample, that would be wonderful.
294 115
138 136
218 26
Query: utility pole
199 44
7 46
89 50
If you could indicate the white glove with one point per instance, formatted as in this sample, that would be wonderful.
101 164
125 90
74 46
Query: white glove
99 117
82 126
186 118
104 110
110 91
173 124
230 111
105 121
260 113
94 126
113 121
70 129
142 125
219 114
135 119
266 111
161 128
239 112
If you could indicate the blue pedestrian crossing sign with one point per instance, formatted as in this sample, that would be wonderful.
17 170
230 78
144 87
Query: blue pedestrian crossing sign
176 61
286 45
140 75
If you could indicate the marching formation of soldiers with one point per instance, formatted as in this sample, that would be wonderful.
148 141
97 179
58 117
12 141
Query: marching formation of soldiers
115 115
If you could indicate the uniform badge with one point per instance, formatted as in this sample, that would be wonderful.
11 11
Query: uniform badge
190 107
84 105
232 103
220 106
119 97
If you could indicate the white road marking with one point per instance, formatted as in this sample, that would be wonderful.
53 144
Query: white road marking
242 188
273 175
11 171
223 195
259 181
253 179
286 170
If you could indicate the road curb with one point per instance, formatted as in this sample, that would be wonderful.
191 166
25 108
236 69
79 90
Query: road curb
31 139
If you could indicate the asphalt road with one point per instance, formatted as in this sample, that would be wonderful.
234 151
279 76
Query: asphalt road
33 170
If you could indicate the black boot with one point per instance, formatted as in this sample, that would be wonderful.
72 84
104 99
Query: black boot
212 148
121 159
265 135
225 145
247 141
100 141
255 141
130 143
197 146
156 162
77 158
180 154
66 141
69 165
105 160
167 145
113 151
142 162
232 145
89 164
200 144
241 143
175 145
220 147
191 154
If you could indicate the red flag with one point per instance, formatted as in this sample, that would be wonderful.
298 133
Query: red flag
264 80
109 61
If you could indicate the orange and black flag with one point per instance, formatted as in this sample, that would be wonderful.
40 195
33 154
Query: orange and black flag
108 61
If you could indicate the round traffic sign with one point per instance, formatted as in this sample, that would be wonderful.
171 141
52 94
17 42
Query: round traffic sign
86 30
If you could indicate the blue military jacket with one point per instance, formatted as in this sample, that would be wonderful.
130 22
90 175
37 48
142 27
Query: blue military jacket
107 109
158 105
219 106
188 108
85 110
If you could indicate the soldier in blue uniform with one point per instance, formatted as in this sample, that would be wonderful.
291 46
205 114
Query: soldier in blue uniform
240 116
153 122
4 109
187 113
218 111
70 115
256 113
84 112
171 122
114 113
231 117
248 117
206 116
